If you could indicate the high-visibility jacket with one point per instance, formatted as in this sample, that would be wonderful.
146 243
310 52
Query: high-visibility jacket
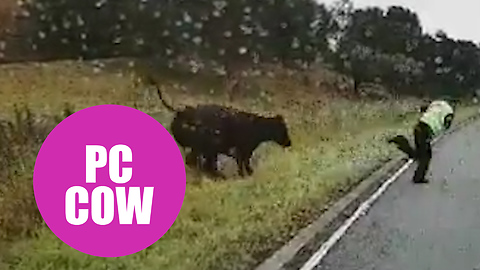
435 116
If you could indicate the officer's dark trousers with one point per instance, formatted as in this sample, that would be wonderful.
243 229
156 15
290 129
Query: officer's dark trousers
423 150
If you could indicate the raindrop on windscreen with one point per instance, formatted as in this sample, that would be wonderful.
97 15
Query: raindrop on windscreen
216 13
100 3
139 41
197 40
185 35
187 18
242 50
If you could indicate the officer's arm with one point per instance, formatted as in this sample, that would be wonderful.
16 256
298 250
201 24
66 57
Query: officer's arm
448 121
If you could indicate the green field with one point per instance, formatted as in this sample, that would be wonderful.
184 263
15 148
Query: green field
230 224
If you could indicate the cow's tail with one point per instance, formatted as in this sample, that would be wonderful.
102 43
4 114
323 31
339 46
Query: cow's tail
168 106
403 145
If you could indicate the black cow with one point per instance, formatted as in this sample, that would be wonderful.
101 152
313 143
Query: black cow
210 130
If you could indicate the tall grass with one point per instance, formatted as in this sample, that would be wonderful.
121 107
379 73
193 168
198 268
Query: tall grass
21 137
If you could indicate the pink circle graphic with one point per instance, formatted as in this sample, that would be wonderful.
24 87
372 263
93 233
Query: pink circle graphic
109 215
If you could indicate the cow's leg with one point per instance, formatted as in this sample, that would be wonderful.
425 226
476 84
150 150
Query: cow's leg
240 164
200 161
211 165
194 158
191 159
248 166
234 153
243 160
240 167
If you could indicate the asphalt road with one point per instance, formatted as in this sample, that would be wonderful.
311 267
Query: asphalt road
418 227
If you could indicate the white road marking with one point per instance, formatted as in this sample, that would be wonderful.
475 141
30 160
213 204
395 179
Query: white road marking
361 210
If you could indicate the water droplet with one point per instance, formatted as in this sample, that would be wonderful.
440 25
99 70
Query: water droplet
246 30
25 13
141 7
295 43
67 24
264 33
185 35
117 40
220 4
100 3
242 50
139 41
197 40
80 21
187 18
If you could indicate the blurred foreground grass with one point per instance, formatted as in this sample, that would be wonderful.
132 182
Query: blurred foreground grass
222 225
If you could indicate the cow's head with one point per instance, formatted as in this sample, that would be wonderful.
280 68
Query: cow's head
279 131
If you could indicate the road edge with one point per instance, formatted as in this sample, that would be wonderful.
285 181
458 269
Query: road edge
309 239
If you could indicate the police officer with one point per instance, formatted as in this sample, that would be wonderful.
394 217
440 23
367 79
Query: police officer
436 118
